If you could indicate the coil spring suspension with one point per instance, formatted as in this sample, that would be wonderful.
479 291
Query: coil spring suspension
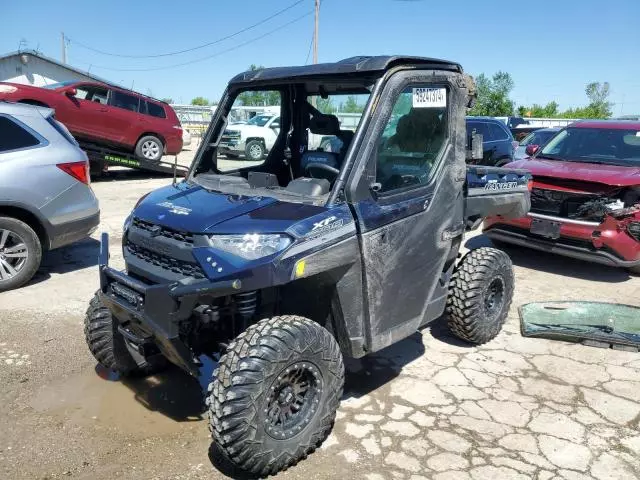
246 304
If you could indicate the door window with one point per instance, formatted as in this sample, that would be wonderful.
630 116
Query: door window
14 137
92 93
497 133
414 136
479 127
124 100
152 109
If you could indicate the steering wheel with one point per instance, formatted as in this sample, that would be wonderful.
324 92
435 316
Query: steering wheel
321 167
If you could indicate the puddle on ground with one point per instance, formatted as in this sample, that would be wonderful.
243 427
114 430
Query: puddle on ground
145 406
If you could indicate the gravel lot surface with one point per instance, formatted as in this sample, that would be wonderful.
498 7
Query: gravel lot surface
428 407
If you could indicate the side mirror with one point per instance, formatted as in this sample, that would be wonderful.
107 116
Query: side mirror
275 125
71 92
477 151
531 150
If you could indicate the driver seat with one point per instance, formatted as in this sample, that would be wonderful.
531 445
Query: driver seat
314 186
325 158
324 124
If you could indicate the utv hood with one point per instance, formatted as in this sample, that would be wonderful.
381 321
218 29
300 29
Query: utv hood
192 208
613 175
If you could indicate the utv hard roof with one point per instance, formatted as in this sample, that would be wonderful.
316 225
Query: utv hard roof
354 65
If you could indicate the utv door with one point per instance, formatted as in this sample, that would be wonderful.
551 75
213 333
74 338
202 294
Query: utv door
407 196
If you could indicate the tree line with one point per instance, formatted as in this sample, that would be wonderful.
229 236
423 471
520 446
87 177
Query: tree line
257 98
494 101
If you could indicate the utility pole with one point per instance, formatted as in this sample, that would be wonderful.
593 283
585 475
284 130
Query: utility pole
64 48
315 32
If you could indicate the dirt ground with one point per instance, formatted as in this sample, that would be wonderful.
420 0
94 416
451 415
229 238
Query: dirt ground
428 407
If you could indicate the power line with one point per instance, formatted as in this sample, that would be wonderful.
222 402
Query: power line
204 45
255 39
306 61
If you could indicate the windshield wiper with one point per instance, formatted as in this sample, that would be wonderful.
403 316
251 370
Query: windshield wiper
587 328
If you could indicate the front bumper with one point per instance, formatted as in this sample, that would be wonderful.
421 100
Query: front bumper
605 243
232 145
152 313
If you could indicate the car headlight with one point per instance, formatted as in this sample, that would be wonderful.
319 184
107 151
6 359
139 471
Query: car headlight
7 89
250 246
634 230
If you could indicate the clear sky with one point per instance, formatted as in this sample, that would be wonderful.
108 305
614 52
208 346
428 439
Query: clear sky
552 49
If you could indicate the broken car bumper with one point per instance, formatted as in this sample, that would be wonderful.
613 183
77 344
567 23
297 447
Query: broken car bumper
605 247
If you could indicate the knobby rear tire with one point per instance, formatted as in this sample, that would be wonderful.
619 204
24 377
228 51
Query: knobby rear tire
469 316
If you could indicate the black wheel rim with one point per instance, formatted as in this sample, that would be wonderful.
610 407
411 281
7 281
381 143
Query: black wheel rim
494 297
293 400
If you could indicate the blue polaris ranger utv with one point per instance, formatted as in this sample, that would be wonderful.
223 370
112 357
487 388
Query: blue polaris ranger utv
284 265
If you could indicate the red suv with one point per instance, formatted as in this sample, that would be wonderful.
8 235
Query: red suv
585 201
108 115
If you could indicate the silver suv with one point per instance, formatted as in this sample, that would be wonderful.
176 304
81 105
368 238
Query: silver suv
46 199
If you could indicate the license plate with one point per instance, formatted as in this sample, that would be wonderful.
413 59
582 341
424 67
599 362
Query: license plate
545 228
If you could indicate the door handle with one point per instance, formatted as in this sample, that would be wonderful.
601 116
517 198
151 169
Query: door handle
104 110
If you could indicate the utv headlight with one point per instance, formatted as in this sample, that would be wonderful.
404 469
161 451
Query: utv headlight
127 223
634 230
250 246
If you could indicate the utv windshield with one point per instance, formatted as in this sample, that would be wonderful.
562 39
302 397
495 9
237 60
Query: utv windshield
595 145
295 151
588 322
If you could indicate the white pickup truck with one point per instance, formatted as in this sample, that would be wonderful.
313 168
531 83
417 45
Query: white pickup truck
254 138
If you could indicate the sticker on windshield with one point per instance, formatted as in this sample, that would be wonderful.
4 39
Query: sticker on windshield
637 134
429 97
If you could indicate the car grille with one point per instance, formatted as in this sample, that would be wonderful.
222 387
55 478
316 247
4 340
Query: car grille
230 136
158 230
171 264
556 202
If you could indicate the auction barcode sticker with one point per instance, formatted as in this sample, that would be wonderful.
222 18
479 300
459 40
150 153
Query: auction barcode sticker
429 97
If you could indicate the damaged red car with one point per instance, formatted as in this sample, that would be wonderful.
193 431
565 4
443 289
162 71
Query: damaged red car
585 201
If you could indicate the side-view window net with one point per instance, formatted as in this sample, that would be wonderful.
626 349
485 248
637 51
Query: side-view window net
410 145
